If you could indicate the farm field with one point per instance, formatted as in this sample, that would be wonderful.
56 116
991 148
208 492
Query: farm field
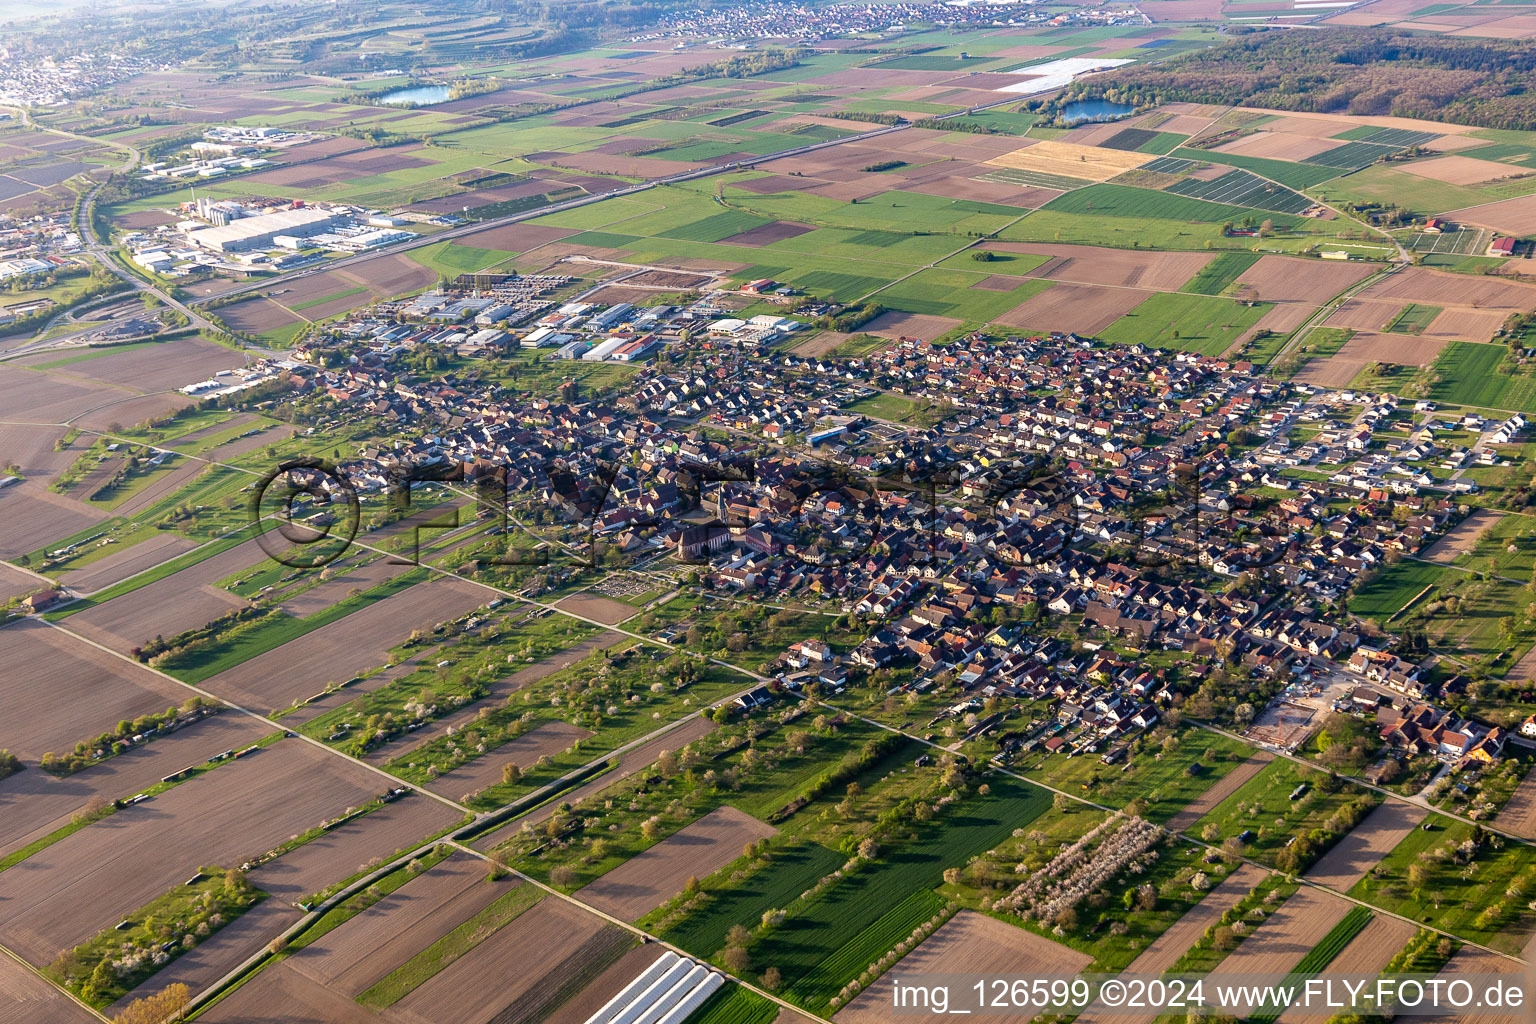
1185 323
89 880
968 943
1365 845
85 692
644 882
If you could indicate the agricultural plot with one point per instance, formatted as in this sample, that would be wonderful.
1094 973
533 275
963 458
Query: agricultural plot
1282 172
1467 373
37 803
854 911
1284 802
1352 155
1108 200
276 676
1187 323
1070 160
1240 188
968 943
1413 318
1290 934
91 879
84 691
1368 842
643 883
26 998
794 868
1217 275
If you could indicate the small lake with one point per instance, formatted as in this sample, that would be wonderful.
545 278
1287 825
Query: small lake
1093 110
417 95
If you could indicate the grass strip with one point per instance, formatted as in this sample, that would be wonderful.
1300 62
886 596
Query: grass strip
415 972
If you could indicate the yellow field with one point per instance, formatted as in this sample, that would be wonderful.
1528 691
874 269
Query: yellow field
1067 158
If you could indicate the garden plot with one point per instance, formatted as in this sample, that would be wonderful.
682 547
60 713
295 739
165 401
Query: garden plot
1225 786
645 882
598 608
1355 854
486 770
1168 947
972 944
522 972
229 947
635 760
1289 934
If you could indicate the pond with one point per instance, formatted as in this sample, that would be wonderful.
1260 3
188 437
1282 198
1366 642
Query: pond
417 95
1080 111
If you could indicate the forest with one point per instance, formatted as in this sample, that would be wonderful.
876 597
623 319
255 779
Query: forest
1480 82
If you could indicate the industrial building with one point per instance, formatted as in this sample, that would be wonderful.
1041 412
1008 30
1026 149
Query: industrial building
259 232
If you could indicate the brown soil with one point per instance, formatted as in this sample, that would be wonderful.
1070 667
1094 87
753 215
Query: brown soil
1519 815
911 325
1292 279
1084 309
1225 786
1368 842
767 234
352 644
1462 537
35 803
552 738
645 882
1508 216
84 691
91 879
971 944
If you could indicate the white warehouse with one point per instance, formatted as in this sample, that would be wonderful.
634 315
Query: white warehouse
665 993
260 232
